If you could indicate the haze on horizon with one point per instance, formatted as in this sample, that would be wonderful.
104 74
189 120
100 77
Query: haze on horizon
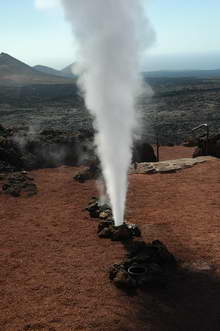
187 34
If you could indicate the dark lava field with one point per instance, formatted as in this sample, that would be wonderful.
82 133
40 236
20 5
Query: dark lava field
175 106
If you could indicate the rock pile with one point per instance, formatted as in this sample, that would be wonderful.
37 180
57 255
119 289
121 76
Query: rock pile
97 210
106 227
147 264
124 232
19 183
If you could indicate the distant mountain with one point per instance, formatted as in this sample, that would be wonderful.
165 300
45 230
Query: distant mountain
48 70
15 72
183 73
68 71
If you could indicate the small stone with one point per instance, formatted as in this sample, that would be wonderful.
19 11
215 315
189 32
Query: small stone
105 207
94 213
93 208
104 224
122 279
113 271
121 233
14 192
92 205
105 233
121 276
103 215
136 232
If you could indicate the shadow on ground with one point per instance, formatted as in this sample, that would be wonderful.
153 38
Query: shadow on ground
190 300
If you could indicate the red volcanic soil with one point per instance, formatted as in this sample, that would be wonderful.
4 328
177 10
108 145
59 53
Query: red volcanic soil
54 268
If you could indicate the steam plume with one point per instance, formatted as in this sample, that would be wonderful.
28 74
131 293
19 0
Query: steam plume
108 33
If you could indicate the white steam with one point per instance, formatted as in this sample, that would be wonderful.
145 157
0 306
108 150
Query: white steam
109 36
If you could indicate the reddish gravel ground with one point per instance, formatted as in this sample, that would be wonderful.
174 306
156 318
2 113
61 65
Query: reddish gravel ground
53 267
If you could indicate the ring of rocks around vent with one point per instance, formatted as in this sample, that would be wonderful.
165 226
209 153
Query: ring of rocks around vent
146 264
106 227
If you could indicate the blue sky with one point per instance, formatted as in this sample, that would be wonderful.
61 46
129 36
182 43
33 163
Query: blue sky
187 34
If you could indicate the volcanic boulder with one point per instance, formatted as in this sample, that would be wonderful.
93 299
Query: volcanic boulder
212 147
93 171
147 264
143 152
19 183
97 210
